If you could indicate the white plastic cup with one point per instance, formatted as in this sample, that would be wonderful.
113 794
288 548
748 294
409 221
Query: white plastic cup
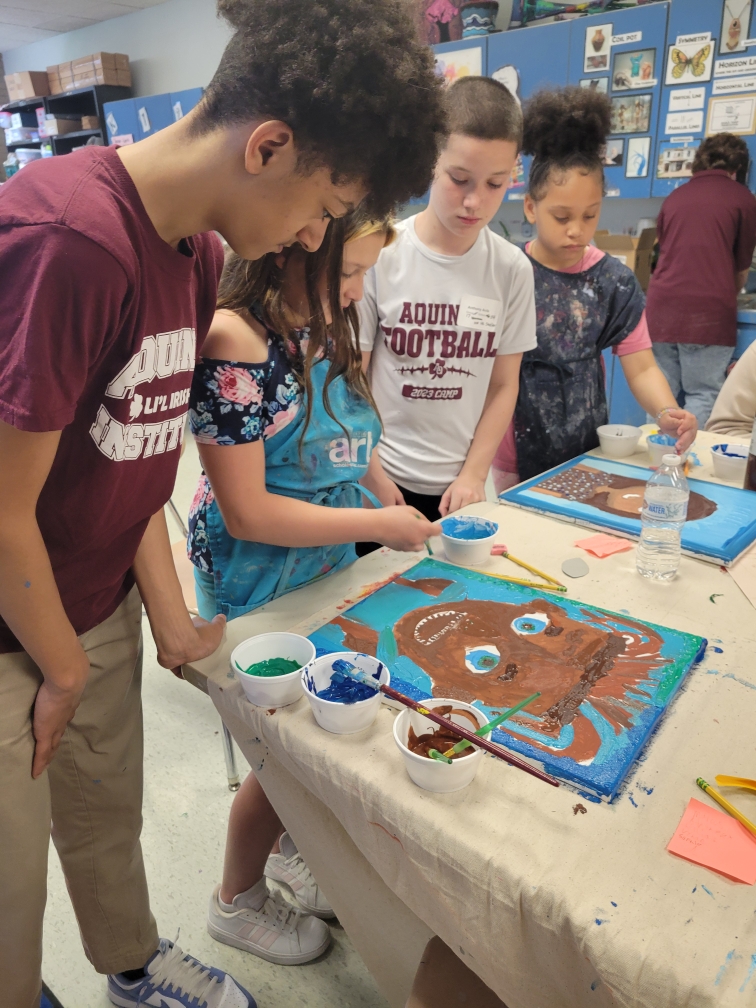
435 775
618 440
730 461
341 718
463 551
272 691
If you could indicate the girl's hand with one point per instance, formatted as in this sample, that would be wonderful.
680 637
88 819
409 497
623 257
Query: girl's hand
463 491
403 528
681 424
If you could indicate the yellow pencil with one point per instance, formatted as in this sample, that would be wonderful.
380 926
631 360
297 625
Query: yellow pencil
726 805
533 570
529 584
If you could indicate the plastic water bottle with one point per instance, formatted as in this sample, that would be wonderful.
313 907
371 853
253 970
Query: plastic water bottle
665 508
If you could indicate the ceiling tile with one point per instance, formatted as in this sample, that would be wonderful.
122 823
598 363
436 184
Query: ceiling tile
25 21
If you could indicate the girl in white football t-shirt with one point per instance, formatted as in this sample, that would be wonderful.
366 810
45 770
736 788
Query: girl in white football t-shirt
448 311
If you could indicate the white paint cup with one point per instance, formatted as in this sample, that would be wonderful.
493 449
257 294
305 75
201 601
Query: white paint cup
730 461
618 440
273 691
435 775
466 551
341 718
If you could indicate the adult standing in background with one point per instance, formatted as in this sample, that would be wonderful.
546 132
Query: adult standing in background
707 234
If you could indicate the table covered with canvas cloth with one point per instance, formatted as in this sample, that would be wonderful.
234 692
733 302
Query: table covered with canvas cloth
551 906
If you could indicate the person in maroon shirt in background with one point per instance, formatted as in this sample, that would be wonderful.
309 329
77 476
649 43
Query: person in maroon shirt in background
707 233
109 275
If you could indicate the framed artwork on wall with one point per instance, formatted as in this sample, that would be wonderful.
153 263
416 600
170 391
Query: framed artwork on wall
632 70
631 114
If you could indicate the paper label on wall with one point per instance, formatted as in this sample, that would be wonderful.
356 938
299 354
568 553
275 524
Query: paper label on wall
627 37
732 85
732 116
110 122
697 39
733 67
681 139
686 98
178 112
479 312
144 119
679 122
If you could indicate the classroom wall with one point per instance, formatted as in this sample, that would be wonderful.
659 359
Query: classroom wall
173 46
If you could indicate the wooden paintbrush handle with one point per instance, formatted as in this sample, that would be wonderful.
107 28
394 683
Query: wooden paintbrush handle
481 743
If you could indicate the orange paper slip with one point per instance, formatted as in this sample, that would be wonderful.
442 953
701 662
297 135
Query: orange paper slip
604 545
715 840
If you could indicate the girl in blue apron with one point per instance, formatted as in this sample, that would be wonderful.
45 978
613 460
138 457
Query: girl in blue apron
586 300
286 442
286 430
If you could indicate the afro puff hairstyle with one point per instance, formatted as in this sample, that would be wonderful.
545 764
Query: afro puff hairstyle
351 79
563 129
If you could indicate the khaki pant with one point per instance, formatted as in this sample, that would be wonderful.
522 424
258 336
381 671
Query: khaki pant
92 795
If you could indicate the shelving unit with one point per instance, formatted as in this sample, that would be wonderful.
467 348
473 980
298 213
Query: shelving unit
88 101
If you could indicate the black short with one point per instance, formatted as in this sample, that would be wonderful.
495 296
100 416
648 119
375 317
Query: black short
426 504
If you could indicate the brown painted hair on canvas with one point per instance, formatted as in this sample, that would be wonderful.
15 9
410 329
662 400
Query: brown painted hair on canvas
352 80
482 108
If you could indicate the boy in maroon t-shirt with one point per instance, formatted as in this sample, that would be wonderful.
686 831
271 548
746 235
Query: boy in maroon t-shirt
110 270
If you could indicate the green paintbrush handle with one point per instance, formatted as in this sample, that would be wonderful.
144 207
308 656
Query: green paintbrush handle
486 728
435 754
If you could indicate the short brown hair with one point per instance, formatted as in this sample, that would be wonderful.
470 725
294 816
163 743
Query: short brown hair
482 108
725 151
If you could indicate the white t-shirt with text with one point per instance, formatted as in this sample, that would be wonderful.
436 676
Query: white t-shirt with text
435 324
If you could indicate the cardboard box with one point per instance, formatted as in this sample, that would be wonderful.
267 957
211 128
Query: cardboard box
123 78
59 127
636 253
27 84
90 122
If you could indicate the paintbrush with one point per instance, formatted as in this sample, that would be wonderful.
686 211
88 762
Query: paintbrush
345 668
484 729
499 549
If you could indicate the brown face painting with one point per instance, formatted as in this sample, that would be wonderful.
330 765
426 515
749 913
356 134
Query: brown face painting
617 495
500 653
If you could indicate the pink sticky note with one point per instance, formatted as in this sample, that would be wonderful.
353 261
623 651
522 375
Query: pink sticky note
715 840
604 545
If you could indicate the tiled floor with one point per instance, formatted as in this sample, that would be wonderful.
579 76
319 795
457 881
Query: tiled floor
185 810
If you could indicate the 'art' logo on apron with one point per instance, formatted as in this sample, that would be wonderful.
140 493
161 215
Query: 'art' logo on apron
346 451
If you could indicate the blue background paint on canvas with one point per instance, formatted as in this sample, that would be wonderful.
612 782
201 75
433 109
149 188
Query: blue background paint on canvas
381 611
722 535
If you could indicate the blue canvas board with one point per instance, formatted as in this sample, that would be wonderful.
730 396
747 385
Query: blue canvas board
605 678
726 527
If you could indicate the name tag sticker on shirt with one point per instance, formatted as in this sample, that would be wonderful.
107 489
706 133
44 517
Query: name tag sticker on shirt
479 312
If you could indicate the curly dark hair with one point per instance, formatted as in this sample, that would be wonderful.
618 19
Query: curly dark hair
725 151
564 128
352 80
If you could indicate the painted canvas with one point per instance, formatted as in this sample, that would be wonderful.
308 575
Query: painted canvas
605 494
605 679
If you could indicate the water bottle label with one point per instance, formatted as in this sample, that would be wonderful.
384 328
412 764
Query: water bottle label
658 510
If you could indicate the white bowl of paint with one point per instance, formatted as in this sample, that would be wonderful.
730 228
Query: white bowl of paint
730 461
431 774
468 539
659 445
260 654
334 715
618 440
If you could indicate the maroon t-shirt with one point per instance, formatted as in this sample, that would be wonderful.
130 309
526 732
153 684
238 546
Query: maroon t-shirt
707 233
101 322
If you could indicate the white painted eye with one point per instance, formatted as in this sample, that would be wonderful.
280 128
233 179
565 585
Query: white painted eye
482 658
530 623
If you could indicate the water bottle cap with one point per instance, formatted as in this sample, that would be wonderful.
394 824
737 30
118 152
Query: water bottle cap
671 460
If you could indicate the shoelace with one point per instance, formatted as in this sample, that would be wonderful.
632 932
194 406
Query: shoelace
283 913
185 976
298 867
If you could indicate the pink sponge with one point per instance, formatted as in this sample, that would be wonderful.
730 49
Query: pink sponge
604 545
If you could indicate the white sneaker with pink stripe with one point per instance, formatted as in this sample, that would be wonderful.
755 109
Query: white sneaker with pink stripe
289 869
277 931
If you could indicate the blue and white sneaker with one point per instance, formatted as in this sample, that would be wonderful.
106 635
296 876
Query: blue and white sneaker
177 980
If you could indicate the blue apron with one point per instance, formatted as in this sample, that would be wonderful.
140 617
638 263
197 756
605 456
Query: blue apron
323 468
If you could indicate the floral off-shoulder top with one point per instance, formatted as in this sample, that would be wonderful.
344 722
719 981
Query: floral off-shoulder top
236 403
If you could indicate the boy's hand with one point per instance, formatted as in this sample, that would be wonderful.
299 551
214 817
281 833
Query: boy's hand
206 639
403 528
463 491
681 424
54 706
